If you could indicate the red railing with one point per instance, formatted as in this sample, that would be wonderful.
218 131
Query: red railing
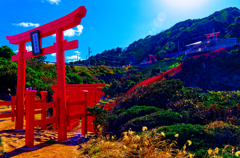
169 72
12 103
214 53
31 105
74 91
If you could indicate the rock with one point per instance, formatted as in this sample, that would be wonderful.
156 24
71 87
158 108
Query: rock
230 84
235 78
214 83
223 80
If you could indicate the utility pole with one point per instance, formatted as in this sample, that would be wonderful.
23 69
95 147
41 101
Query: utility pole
77 59
125 59
89 51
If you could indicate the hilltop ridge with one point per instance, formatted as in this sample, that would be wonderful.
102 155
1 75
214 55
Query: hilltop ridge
225 21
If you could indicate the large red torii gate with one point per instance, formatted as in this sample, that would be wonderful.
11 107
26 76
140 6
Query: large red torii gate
55 27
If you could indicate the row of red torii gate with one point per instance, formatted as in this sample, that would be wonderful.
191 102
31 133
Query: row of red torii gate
69 101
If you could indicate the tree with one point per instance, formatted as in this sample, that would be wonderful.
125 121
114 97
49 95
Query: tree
41 58
6 52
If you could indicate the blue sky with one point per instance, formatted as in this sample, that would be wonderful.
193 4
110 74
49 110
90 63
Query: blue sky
108 23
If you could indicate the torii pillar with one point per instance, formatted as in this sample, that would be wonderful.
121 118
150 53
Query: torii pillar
55 27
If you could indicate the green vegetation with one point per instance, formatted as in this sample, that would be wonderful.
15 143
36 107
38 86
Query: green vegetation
196 121
225 21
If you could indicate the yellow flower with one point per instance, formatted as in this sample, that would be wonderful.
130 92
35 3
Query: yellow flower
140 149
144 128
162 134
176 135
137 137
209 151
112 137
189 142
237 153
125 133
184 147
216 150
125 138
130 132
135 146
124 147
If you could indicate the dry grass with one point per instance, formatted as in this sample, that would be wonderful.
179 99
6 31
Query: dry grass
149 144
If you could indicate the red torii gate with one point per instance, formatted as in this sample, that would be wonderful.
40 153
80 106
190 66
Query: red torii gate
150 58
57 26
211 35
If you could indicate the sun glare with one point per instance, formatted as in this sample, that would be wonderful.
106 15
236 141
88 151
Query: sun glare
184 4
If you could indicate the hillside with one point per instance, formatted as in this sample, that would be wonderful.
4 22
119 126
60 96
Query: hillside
41 76
226 21
221 73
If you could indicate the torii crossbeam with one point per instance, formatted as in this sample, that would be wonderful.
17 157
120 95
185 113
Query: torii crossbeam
55 27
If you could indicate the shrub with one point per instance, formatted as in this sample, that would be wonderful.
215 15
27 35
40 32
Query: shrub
159 118
124 115
202 137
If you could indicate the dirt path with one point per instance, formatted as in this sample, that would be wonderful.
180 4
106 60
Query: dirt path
12 141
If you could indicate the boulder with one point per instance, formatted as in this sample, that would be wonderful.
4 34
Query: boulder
223 79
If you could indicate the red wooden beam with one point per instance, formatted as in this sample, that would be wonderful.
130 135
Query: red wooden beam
68 21
5 103
44 121
49 50
44 105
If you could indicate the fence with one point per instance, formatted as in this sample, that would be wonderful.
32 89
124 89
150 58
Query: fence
12 103
31 105
169 72
73 90
13 107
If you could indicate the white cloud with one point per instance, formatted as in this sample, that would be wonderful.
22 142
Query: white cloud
72 57
28 48
53 54
71 60
72 32
54 1
27 24
77 52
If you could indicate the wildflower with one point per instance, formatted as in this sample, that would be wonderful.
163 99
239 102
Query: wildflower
124 147
209 151
125 138
130 132
137 137
144 128
184 147
162 134
237 153
189 142
135 146
125 133
176 135
112 137
216 150
140 149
